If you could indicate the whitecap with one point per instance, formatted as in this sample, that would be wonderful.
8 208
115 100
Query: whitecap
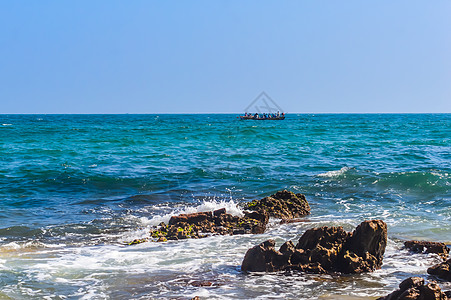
335 173
209 205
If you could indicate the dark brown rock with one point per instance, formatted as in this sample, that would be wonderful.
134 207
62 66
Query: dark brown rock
200 283
442 270
324 249
364 250
194 218
219 212
283 204
263 258
290 221
428 247
413 288
323 245
288 248
198 225
411 282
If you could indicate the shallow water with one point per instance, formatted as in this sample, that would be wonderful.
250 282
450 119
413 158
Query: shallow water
74 188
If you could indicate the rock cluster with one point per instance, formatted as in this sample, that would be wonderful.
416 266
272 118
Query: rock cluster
323 250
428 247
198 225
414 288
441 270
283 204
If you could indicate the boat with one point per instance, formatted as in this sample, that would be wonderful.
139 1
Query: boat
262 117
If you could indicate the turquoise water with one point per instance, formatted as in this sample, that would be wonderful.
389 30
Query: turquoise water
75 187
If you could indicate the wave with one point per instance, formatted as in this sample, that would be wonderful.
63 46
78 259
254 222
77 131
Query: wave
335 173
20 232
423 181
231 207
433 181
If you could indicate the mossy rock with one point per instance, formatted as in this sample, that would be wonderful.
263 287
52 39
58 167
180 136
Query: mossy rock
137 241
283 204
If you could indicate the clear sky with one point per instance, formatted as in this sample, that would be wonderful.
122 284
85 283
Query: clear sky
217 56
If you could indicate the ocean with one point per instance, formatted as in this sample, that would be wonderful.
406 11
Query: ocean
74 189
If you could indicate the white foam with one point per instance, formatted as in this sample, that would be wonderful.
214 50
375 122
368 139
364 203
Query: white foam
11 246
210 205
335 173
98 271
31 245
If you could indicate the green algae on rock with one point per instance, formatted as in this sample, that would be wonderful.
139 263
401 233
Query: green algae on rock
283 204
202 224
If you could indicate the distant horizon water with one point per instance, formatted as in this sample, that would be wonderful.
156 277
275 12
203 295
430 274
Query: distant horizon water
232 113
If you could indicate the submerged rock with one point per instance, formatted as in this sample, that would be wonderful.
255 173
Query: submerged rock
198 225
442 270
414 288
283 204
428 247
137 241
323 250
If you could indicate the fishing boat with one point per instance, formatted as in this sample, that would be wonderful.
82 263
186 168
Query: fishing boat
262 117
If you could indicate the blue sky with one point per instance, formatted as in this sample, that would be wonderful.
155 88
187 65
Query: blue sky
217 56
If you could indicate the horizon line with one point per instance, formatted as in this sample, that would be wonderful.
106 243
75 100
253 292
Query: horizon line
220 113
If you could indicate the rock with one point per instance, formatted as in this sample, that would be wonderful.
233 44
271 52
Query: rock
364 250
324 250
324 245
441 270
200 283
263 258
219 212
428 247
137 241
290 221
202 224
413 288
411 282
283 204
193 218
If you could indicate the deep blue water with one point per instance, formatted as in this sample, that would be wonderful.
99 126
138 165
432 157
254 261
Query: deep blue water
83 180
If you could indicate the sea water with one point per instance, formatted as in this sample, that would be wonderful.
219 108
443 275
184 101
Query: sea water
74 189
